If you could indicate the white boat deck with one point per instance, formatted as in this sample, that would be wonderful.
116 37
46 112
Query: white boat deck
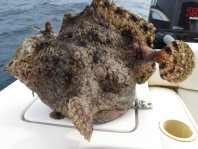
16 133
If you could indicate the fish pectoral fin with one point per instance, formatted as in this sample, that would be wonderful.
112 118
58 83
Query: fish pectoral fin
81 114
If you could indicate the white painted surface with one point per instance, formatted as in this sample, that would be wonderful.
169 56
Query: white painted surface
18 134
38 112
190 99
168 105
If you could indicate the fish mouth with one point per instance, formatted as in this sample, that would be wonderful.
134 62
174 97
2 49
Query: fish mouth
7 67
11 68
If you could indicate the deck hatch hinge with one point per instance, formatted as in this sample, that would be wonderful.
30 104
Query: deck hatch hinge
143 105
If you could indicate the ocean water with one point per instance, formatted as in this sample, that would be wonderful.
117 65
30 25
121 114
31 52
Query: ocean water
16 16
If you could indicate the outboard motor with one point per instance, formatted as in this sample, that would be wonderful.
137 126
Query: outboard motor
176 18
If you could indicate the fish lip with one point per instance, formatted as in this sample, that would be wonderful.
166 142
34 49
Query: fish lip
7 67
